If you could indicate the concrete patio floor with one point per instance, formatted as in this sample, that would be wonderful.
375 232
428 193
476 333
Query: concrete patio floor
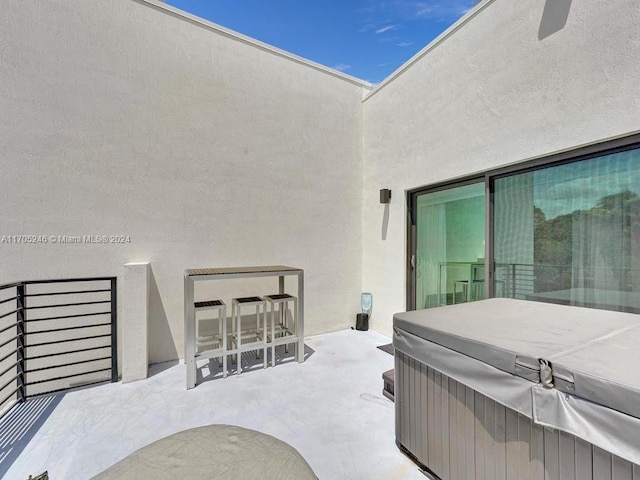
330 408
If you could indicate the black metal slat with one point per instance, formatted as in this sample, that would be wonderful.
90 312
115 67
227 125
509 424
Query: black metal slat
15 377
37 357
66 280
62 317
8 300
21 331
9 313
10 285
8 355
67 376
43 344
114 329
14 365
13 339
71 292
52 330
49 367
13 325
69 304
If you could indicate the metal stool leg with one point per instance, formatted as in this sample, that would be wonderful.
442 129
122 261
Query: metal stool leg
464 290
283 316
255 338
211 345
273 331
264 336
223 332
257 327
238 341
281 330
295 326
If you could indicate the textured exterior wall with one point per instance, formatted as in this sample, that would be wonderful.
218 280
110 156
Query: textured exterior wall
518 80
123 118
208 150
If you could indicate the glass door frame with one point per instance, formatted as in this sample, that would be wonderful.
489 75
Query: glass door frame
580 153
412 203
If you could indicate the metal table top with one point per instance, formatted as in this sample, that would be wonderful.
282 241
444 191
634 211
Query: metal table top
239 270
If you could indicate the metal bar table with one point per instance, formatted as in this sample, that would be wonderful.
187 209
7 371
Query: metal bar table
203 274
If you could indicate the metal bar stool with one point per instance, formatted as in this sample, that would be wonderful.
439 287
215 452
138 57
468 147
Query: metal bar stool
218 340
249 339
465 285
280 330
477 289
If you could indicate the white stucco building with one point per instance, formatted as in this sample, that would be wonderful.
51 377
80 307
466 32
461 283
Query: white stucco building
208 148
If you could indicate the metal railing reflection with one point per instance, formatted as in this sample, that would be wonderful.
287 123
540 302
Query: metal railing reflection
610 288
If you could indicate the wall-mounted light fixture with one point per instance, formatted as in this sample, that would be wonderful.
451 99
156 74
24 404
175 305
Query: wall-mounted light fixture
385 195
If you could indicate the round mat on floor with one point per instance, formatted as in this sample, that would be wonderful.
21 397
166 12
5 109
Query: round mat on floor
213 452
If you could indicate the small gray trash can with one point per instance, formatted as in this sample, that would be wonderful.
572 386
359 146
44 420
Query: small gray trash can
362 321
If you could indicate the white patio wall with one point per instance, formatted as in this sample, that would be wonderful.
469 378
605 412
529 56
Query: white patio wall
208 149
508 83
119 117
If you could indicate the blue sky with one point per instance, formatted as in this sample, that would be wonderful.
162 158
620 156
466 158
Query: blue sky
368 39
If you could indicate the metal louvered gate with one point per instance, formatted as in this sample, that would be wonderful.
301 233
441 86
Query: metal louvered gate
56 335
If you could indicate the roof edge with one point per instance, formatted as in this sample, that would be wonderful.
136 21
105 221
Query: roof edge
432 45
201 22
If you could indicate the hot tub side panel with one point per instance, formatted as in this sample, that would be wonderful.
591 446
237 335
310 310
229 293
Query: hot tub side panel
461 434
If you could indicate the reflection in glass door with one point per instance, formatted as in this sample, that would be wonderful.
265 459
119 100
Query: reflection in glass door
449 246
570 233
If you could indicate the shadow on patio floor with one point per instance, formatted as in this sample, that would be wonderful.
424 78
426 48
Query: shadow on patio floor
212 368
19 426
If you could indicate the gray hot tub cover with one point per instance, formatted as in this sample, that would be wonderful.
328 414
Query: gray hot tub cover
507 389
609 429
512 335
606 371
592 358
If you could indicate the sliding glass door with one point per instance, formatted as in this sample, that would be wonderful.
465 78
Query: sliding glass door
448 229
565 229
570 233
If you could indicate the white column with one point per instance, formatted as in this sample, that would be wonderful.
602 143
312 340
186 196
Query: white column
135 321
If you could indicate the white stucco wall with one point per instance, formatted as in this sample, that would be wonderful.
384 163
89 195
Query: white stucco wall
512 81
119 117
211 150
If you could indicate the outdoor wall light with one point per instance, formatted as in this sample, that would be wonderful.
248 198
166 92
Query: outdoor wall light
385 195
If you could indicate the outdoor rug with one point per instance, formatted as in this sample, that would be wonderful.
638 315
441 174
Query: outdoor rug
220 452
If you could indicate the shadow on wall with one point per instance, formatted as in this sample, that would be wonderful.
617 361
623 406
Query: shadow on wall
156 368
385 221
161 344
554 17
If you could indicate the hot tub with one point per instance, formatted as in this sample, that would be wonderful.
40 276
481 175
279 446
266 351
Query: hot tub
511 389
